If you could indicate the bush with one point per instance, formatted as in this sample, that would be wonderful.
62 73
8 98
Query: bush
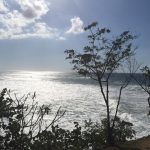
23 127
96 134
122 130
21 123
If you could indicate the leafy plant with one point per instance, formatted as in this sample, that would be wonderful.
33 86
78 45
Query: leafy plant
23 127
20 122
99 60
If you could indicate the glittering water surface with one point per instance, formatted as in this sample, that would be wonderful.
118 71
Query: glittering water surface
79 96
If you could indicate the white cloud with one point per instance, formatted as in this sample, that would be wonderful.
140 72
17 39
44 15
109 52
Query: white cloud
25 20
33 8
36 30
42 30
14 19
3 6
76 26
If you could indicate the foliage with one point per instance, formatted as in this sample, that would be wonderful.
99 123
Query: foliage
144 82
22 127
102 55
122 130
100 59
20 122
90 136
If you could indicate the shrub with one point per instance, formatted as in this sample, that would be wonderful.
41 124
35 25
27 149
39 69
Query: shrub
23 127
21 123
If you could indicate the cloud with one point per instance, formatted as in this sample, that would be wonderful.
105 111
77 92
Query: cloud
33 9
20 19
14 19
25 20
29 13
41 30
36 30
3 6
76 26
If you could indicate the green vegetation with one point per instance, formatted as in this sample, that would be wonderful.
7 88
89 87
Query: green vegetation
102 57
144 82
23 127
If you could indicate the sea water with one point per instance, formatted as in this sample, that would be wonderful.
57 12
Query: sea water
80 97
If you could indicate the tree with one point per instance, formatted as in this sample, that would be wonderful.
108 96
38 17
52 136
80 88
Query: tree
22 121
22 127
99 60
144 82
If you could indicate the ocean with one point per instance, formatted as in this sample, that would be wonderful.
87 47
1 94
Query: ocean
80 97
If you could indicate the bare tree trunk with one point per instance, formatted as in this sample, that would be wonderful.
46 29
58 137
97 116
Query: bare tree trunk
109 130
106 99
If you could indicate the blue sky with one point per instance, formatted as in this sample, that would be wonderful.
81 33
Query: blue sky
34 34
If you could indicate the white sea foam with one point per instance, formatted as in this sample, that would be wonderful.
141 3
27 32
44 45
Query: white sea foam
80 97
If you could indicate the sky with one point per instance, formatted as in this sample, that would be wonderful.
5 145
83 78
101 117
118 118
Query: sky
35 33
